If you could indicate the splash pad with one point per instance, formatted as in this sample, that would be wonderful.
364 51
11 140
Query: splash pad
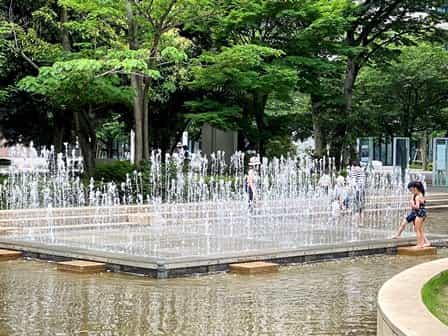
192 215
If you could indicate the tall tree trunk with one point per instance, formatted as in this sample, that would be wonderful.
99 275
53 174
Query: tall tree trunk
145 125
60 118
147 85
343 142
110 149
88 148
136 83
58 138
424 150
85 132
317 127
62 123
65 39
88 140
137 86
259 107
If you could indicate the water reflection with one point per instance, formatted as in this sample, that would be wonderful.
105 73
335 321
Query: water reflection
333 298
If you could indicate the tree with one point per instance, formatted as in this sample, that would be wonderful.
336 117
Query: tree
314 48
112 130
308 32
237 84
148 22
236 64
80 87
27 41
407 96
374 26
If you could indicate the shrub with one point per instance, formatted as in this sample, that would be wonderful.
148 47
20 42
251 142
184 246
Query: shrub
278 146
5 162
113 171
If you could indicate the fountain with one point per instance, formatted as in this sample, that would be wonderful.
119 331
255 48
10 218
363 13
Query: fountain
188 214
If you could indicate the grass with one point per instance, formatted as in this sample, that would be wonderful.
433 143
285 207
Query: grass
434 298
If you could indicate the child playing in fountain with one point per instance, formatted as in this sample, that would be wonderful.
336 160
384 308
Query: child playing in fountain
341 192
357 177
325 182
417 215
250 179
335 207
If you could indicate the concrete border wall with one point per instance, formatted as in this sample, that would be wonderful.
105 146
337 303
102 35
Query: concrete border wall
401 311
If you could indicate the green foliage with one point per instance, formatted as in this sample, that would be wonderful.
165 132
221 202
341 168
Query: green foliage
280 145
111 130
247 75
5 162
408 95
214 113
243 68
78 83
415 165
272 70
96 23
114 171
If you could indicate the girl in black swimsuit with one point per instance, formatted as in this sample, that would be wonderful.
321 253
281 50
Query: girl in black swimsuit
420 214
417 215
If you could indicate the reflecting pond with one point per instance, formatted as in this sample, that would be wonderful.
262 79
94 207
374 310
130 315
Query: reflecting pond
330 298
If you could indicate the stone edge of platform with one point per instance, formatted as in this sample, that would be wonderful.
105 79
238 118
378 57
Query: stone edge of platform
178 268
401 311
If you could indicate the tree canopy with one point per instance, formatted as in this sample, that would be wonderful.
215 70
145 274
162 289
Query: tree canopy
274 71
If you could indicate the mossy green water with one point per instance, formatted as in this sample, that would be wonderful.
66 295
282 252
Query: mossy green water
435 296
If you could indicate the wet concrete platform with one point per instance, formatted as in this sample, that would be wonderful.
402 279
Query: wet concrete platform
183 266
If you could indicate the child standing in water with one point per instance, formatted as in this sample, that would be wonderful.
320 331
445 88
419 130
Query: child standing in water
357 177
250 179
417 215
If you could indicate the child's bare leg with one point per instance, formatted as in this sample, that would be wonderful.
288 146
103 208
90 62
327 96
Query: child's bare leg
419 232
426 242
401 229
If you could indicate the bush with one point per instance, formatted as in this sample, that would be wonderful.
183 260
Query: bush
343 172
5 162
278 146
113 171
418 165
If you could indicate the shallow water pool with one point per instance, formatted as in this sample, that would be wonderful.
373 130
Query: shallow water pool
331 298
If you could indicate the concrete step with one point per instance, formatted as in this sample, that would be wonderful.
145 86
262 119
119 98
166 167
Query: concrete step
6 255
63 220
46 228
81 266
414 251
256 267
